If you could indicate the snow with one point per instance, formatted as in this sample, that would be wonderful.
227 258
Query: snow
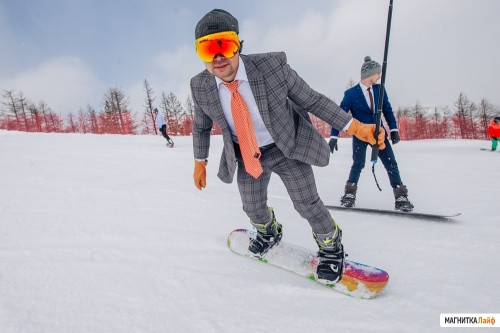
107 233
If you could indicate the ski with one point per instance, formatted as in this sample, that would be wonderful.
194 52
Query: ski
358 280
487 149
394 212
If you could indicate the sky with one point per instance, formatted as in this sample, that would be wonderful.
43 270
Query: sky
68 53
108 234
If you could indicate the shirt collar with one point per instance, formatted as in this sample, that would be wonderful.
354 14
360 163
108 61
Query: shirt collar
241 74
365 88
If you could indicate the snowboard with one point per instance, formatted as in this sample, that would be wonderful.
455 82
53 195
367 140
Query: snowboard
359 280
487 149
394 212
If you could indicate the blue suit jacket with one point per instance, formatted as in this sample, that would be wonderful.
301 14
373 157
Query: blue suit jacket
355 101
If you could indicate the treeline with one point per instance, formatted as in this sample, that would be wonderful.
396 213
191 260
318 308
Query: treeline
114 116
464 120
19 113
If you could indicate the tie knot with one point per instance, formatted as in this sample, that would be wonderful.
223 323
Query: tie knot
368 89
232 86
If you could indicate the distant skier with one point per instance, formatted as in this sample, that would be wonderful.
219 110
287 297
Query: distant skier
494 132
162 127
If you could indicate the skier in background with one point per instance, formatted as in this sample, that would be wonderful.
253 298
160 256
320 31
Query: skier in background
162 127
494 132
362 100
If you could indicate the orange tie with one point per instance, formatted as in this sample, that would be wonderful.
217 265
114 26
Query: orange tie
244 131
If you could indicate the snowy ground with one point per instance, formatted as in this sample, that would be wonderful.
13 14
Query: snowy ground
106 233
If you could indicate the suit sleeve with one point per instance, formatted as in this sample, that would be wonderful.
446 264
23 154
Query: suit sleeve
345 105
312 101
202 125
388 114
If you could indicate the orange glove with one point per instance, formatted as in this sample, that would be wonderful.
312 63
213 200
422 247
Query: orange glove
200 174
366 133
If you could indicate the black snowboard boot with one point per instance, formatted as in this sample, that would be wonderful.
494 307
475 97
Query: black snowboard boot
268 235
349 197
330 255
402 202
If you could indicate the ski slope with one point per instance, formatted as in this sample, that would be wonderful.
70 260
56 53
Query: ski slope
107 233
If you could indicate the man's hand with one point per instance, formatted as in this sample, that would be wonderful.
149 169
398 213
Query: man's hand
366 133
333 144
200 174
395 137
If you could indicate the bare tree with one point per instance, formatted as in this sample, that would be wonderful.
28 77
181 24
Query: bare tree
350 84
23 107
187 118
189 106
12 106
82 121
461 107
149 108
472 115
72 126
115 108
402 112
45 111
418 112
173 110
486 113
94 124
35 115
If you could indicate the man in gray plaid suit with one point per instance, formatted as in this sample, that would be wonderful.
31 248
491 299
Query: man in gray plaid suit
279 101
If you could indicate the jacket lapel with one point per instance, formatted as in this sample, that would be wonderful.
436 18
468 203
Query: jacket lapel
376 93
215 107
258 87
361 94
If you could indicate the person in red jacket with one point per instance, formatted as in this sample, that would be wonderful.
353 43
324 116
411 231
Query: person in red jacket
494 132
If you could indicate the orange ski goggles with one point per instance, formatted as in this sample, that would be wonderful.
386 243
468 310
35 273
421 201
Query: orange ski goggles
226 43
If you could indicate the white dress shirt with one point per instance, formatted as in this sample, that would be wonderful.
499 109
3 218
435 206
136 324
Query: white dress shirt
367 95
261 132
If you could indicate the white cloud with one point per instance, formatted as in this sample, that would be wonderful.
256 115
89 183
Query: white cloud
171 72
176 69
65 84
326 48
436 49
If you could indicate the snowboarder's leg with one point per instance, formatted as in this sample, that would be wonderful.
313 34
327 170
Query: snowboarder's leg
330 255
402 202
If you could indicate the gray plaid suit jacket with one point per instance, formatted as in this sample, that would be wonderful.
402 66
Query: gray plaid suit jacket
284 100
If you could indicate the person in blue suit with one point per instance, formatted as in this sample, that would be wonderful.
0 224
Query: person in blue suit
362 101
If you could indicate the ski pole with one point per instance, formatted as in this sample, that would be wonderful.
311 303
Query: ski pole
380 103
